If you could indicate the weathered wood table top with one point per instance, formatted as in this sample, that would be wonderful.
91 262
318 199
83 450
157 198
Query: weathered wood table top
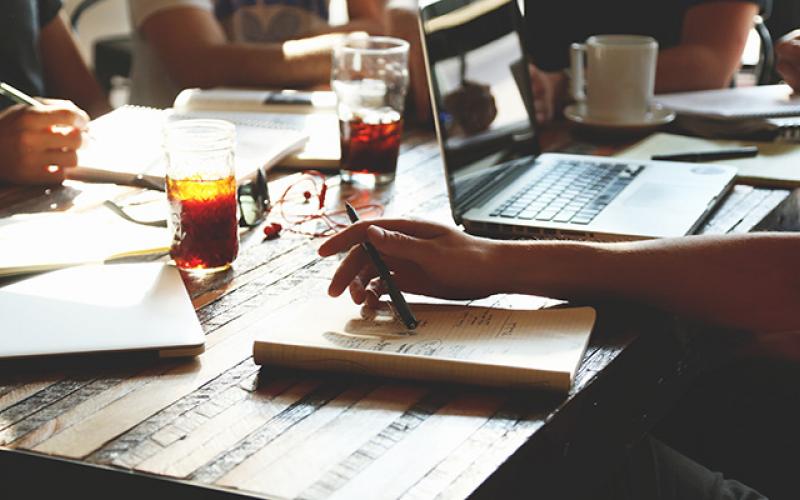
217 425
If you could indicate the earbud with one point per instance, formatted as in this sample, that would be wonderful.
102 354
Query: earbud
272 231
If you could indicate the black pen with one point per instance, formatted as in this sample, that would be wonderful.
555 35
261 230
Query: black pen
400 306
701 156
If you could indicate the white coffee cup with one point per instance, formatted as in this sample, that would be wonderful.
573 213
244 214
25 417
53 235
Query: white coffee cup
620 74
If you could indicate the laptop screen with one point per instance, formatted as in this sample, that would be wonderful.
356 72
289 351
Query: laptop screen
481 91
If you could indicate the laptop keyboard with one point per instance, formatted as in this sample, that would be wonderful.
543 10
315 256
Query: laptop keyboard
573 191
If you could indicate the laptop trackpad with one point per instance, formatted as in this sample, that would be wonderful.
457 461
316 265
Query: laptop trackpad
652 194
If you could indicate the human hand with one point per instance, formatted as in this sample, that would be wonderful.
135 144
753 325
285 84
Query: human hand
549 93
38 143
788 53
425 258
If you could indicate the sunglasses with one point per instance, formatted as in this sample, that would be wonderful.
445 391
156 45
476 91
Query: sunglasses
252 197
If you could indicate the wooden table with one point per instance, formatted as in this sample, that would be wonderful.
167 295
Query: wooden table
217 426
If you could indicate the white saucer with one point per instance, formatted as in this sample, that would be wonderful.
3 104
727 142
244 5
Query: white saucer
656 117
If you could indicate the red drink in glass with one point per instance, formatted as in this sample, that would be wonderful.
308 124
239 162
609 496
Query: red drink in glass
203 222
370 145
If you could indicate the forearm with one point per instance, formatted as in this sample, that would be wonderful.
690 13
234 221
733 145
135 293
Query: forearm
691 67
371 26
66 73
749 282
713 37
291 64
200 54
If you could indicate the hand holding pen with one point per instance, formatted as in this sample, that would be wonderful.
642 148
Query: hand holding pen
398 302
38 140
425 258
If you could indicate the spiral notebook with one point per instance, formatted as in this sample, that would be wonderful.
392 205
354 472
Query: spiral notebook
312 113
128 142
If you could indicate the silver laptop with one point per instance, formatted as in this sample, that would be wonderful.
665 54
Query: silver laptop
498 183
100 309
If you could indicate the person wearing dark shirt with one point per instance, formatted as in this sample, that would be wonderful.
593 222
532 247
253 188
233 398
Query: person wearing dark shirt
700 41
38 56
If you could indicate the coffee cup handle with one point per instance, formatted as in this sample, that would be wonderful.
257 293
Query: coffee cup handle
577 56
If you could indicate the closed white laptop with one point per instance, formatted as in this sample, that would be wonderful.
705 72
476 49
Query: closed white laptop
499 184
99 308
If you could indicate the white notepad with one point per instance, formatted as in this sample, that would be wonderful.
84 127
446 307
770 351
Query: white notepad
474 345
312 113
129 142
761 101
90 309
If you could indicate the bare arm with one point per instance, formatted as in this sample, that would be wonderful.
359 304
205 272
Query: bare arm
748 282
65 70
712 40
199 54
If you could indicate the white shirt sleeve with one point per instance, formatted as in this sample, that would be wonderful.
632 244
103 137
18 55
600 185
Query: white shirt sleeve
142 9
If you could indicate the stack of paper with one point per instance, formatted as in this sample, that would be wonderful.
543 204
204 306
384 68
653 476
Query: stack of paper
740 102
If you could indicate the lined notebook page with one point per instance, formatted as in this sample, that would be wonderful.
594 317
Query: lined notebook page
488 346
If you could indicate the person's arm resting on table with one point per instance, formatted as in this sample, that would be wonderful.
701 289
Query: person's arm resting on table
747 282
199 54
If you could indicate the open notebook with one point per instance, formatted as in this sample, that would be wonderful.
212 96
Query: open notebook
473 345
776 165
311 113
129 142
42 242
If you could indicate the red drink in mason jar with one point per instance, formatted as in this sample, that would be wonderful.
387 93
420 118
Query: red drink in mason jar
203 222
370 145
201 190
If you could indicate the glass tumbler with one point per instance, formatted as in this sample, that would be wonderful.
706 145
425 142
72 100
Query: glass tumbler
201 190
370 79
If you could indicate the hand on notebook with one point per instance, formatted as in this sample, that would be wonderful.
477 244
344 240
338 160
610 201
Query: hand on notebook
788 52
37 143
425 258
